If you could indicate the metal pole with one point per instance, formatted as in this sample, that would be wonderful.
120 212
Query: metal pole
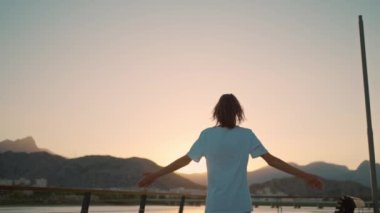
369 121
181 204
86 202
142 203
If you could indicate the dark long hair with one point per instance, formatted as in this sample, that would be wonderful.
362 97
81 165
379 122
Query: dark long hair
228 111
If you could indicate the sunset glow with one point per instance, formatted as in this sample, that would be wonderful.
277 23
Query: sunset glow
140 78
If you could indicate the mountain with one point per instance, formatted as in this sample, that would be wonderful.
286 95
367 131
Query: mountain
107 171
199 178
85 172
326 170
362 174
27 144
296 187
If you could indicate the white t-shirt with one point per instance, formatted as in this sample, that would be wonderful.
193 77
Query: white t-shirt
226 152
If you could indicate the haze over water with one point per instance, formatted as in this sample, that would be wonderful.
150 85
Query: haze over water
140 78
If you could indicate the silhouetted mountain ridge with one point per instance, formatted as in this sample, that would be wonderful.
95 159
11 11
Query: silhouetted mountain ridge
27 144
107 171
296 187
326 170
85 172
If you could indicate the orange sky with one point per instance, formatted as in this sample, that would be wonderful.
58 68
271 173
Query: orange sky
140 78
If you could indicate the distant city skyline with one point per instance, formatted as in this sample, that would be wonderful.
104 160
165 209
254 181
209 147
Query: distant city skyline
140 78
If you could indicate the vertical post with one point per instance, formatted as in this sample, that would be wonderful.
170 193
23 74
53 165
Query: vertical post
369 121
86 202
142 203
181 204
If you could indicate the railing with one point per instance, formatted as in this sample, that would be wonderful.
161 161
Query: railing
142 194
140 197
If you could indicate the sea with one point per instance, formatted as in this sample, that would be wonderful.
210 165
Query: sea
156 209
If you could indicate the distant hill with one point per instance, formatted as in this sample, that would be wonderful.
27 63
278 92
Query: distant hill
23 158
26 144
199 178
362 174
296 187
326 170
85 172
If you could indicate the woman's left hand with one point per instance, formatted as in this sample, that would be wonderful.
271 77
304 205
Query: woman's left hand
147 179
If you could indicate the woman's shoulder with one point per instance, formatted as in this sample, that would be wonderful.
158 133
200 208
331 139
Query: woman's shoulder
209 129
243 129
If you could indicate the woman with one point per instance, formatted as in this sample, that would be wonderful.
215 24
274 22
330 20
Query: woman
226 148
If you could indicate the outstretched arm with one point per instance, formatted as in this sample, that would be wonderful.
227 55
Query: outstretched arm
311 180
149 178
